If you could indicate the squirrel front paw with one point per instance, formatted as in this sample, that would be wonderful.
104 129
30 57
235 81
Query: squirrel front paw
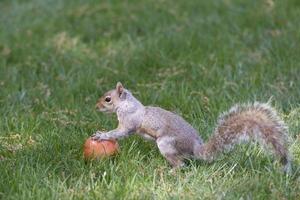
99 136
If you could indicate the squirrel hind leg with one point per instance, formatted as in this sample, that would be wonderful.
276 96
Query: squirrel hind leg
174 160
166 146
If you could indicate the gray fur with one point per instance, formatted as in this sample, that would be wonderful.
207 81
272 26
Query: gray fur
178 140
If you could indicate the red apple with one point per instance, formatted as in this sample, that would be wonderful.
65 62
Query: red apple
94 149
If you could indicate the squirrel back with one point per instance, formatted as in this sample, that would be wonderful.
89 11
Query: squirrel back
248 122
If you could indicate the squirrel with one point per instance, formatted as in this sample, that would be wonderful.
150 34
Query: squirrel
177 140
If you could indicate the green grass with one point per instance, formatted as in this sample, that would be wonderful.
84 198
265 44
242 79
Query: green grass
196 58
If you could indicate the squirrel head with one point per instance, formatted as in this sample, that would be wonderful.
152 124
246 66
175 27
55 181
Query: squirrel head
112 99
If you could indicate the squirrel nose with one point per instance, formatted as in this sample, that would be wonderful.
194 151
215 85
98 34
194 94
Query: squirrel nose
98 105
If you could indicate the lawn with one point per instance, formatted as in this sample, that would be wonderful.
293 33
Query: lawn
195 58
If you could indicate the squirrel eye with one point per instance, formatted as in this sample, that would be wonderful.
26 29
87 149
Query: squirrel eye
107 99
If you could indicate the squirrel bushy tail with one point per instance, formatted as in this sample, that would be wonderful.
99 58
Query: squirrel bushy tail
256 122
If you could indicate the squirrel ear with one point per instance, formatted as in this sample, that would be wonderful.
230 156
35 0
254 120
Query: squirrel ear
120 89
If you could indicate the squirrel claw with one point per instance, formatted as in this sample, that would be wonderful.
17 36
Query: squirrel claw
99 136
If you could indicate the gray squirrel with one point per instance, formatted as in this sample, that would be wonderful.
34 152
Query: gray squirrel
177 140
